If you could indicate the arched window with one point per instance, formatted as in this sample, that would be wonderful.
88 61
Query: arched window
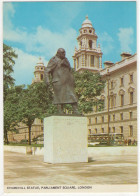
131 92
131 131
131 98
92 60
121 93
41 76
90 44
77 62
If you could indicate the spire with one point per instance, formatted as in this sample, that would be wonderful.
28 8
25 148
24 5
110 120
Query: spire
40 62
87 22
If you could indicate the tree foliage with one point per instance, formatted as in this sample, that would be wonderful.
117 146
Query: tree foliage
11 110
88 87
8 62
35 102
10 93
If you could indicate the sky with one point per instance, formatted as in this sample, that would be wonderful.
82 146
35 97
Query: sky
38 29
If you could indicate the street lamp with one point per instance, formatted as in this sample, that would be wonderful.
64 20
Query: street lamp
108 103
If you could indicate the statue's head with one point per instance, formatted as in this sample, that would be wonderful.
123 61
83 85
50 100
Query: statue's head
61 53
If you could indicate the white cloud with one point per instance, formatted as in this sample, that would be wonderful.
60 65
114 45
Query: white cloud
126 38
49 41
24 67
8 13
9 32
42 41
106 42
66 13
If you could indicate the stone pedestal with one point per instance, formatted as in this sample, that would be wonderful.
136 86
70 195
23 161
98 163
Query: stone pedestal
65 139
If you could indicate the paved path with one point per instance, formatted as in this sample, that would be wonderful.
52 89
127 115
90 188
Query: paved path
21 169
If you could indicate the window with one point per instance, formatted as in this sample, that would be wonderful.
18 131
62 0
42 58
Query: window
89 131
41 76
103 104
74 64
90 31
121 116
114 100
131 130
109 129
92 60
89 120
109 118
111 101
113 117
131 115
78 62
131 97
111 84
96 131
96 120
90 44
85 31
102 130
122 81
131 78
102 119
113 129
122 100
121 129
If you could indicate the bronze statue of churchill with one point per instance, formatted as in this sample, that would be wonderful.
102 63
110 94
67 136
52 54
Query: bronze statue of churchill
63 81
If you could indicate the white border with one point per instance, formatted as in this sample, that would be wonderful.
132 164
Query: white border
1 105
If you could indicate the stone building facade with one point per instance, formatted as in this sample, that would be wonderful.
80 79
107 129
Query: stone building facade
22 135
122 91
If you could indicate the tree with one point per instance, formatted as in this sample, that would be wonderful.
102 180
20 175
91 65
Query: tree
10 93
88 87
8 63
11 110
35 102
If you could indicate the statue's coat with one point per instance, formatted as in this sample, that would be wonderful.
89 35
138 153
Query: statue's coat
62 79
